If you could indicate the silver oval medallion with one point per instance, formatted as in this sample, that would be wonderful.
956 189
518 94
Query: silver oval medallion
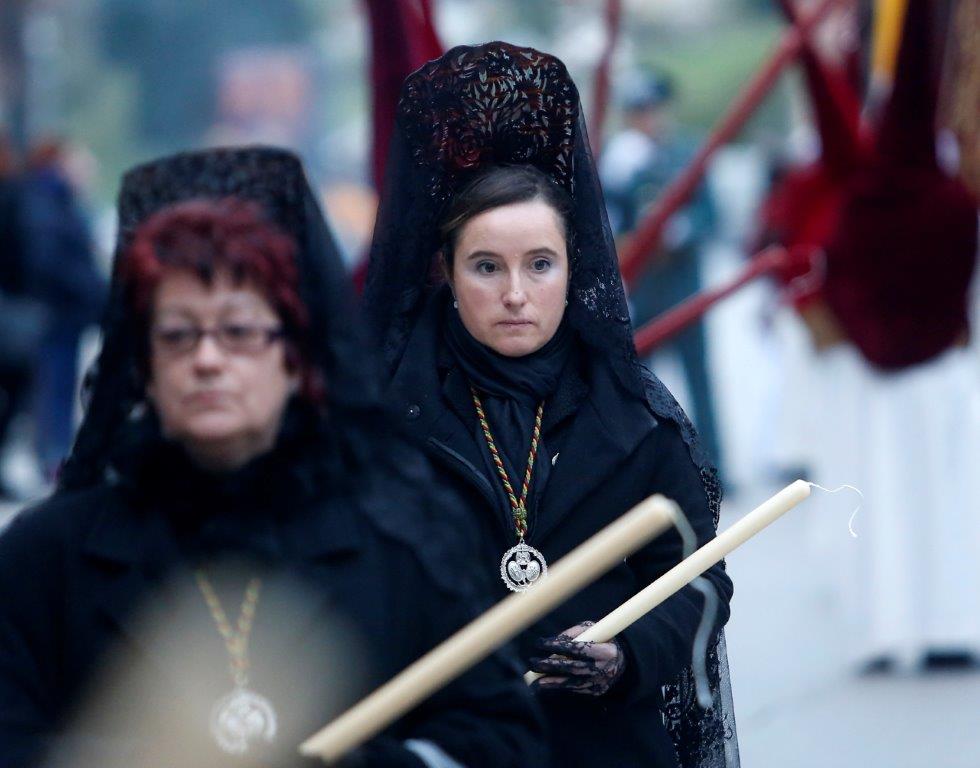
522 567
242 718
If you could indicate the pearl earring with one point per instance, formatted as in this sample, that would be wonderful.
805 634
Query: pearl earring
455 304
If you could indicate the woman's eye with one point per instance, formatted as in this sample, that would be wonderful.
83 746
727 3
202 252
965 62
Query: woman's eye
173 336
238 331
486 267
540 265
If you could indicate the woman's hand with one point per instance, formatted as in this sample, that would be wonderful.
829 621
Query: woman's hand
590 668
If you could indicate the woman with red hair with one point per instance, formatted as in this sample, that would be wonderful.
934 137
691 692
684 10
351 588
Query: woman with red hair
234 452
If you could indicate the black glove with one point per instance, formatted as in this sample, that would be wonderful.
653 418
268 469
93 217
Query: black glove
589 668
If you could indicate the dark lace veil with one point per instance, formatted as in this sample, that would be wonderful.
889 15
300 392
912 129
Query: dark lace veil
275 180
499 104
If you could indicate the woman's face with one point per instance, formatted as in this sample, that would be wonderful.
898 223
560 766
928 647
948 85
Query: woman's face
510 276
222 397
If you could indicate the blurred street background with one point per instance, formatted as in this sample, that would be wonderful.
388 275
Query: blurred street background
839 651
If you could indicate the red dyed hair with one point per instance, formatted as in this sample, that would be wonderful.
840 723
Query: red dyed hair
45 153
204 236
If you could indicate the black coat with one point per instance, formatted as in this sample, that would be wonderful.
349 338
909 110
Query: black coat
609 452
76 570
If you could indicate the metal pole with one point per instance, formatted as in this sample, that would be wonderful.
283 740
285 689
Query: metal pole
642 244
691 310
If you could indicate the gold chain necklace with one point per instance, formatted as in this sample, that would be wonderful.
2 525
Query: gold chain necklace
522 566
240 718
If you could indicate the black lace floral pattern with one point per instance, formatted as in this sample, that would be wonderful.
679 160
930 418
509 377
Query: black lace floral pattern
586 668
490 104
474 106
705 738
269 177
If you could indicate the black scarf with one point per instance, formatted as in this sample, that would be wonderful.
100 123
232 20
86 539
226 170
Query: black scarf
511 388
235 513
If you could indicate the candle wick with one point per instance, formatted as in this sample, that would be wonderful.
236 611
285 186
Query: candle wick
838 489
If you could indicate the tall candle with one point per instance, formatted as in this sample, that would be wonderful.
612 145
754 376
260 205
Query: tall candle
691 567
500 624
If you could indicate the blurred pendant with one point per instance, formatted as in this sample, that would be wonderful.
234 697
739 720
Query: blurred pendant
522 567
241 719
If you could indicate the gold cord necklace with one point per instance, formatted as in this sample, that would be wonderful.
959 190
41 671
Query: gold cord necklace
522 566
240 718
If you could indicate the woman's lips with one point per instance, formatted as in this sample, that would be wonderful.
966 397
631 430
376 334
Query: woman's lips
207 399
515 323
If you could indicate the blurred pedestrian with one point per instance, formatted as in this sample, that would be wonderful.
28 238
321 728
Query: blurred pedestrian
22 319
61 273
637 165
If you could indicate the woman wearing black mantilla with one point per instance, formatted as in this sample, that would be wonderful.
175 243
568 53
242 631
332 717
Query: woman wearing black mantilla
495 293
234 453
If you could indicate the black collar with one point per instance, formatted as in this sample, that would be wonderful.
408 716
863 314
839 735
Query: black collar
130 531
607 427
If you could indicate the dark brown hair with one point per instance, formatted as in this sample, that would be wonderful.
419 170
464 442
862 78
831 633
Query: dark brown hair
497 186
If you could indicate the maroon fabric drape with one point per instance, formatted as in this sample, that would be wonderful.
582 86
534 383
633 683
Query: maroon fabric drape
898 232
403 38
836 104
803 209
900 264
600 99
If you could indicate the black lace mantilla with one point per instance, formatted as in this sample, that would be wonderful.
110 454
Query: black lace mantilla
703 738
490 104
270 177
349 443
